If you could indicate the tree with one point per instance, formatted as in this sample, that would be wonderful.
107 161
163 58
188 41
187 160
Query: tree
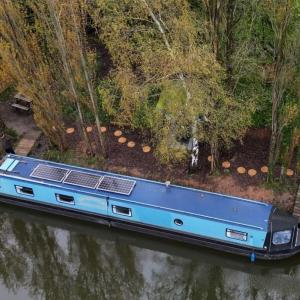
282 16
156 52
30 67
55 53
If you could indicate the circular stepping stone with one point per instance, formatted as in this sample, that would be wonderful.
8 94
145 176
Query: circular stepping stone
264 169
146 149
241 170
122 140
226 164
252 172
89 129
289 172
209 158
70 130
118 133
131 144
103 129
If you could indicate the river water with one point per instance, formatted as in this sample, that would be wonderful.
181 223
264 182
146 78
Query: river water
48 257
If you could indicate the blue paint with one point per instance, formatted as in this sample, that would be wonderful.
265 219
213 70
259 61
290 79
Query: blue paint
202 213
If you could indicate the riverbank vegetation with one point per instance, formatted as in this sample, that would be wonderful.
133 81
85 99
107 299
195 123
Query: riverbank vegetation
184 73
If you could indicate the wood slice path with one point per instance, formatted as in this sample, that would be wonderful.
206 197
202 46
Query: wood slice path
26 143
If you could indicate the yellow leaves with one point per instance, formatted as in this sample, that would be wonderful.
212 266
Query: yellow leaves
5 77
290 113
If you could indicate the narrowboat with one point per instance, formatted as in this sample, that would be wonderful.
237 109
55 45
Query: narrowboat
226 223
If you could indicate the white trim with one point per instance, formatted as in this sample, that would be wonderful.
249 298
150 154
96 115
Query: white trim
115 211
19 190
57 197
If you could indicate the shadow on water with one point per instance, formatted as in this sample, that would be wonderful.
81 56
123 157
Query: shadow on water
48 257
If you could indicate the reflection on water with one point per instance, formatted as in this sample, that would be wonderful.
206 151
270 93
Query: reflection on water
46 257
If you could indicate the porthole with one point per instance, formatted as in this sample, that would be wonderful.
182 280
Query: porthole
178 222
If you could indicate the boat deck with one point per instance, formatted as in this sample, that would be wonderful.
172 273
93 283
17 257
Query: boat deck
181 199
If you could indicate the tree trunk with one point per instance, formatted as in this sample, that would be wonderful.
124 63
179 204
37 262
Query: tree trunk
214 10
229 30
280 32
69 76
88 82
214 156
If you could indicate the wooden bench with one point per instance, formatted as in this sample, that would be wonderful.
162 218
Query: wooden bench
19 106
21 103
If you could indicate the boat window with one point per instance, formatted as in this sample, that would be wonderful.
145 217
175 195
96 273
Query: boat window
120 210
64 198
282 237
24 190
178 222
238 235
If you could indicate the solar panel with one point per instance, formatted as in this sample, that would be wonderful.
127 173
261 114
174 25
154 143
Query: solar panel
49 172
116 185
82 179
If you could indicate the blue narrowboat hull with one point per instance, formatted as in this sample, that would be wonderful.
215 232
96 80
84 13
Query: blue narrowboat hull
149 230
221 222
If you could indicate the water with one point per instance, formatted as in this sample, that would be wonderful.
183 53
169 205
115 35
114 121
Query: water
47 257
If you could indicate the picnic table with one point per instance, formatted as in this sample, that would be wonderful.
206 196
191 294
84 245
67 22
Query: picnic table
21 102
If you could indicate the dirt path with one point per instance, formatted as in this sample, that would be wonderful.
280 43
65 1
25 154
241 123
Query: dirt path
24 126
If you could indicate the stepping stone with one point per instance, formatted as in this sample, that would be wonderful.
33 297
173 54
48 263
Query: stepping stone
122 140
241 170
131 144
89 129
103 129
252 172
264 169
146 149
118 133
289 172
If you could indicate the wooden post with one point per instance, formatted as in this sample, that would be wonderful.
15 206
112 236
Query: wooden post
296 211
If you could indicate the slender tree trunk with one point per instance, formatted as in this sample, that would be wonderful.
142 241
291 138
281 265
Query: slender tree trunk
280 32
69 75
88 82
294 143
214 156
277 92
214 10
229 31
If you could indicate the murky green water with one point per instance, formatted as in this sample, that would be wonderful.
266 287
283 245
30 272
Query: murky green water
46 257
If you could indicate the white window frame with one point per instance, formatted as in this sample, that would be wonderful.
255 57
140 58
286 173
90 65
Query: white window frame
19 190
115 210
243 235
58 199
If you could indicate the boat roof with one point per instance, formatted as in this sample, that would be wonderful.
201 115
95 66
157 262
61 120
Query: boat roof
179 199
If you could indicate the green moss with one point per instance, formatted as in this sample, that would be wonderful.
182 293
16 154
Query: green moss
7 94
